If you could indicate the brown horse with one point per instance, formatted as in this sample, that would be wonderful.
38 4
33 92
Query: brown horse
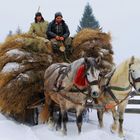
60 79
117 91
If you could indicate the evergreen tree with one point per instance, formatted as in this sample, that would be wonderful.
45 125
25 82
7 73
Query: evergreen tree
88 20
10 33
18 31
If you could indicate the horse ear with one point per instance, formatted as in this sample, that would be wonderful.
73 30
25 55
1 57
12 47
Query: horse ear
86 60
98 60
132 60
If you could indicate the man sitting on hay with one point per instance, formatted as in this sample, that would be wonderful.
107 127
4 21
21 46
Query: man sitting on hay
58 32
39 27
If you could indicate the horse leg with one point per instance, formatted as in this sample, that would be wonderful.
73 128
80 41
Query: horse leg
100 117
59 121
51 111
79 119
115 119
64 121
121 110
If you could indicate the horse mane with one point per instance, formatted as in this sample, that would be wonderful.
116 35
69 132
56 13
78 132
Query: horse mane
121 69
136 60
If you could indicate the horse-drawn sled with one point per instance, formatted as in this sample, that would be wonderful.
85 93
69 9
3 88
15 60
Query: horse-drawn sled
25 87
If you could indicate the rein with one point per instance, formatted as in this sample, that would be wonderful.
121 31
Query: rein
84 105
132 82
110 88
109 106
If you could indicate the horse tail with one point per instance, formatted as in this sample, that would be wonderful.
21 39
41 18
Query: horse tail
45 113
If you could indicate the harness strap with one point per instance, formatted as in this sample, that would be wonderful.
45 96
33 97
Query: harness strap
110 88
112 95
63 72
120 88
110 106
96 82
85 105
137 80
81 91
134 80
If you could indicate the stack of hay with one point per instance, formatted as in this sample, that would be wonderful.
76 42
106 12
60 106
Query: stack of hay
94 43
23 60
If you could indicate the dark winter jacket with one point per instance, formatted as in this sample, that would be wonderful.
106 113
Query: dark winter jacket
55 29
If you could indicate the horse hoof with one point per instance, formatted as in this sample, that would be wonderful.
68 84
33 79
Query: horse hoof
58 128
101 126
51 125
64 132
79 133
112 131
121 135
113 128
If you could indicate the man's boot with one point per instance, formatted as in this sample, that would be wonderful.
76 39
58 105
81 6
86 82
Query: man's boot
69 50
55 49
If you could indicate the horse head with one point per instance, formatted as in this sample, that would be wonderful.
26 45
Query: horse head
92 76
134 73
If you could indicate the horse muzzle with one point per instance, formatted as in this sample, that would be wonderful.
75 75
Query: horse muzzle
95 94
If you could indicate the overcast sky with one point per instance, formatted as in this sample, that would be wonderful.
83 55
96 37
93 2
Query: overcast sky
120 17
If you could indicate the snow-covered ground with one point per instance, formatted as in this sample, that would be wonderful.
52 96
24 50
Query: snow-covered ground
10 130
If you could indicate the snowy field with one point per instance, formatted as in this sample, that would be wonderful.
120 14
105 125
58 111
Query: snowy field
10 130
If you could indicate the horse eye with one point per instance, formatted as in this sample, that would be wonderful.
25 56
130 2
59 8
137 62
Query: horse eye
132 70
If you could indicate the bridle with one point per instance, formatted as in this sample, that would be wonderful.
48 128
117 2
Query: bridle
133 81
90 83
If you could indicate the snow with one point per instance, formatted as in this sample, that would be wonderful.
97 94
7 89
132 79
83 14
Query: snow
10 130
15 52
11 66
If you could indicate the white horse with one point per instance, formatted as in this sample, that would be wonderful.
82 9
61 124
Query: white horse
61 78
81 73
117 90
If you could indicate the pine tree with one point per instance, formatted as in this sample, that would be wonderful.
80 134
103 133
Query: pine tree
10 33
88 20
18 31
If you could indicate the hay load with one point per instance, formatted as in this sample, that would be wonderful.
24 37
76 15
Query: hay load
94 43
23 60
